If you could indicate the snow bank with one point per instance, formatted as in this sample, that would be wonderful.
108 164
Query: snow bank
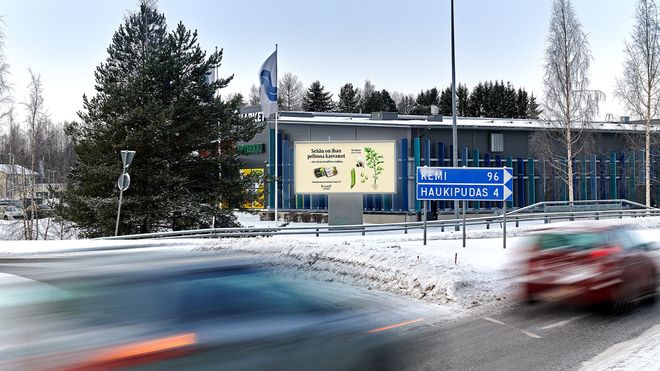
441 272
640 354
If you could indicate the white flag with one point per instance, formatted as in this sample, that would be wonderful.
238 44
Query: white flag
268 89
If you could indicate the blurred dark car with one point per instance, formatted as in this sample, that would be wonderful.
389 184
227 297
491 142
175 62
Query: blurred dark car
198 311
589 265
40 211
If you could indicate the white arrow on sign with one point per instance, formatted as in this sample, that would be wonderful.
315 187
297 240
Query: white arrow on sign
507 192
507 176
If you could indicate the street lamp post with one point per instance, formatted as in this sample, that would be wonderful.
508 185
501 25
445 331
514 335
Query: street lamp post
454 129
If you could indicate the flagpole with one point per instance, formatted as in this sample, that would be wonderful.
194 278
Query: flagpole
276 145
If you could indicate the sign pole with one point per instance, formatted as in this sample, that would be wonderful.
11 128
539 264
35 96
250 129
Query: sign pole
121 196
425 211
504 225
464 202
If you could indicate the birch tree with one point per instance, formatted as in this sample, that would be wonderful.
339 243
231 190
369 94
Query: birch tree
5 88
569 104
36 118
290 92
639 87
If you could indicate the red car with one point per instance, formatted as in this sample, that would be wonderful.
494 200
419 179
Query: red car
590 265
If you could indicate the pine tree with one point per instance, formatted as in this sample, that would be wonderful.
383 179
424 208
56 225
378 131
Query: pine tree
462 94
388 103
367 91
349 99
476 101
424 101
533 110
522 103
153 97
509 101
445 102
317 99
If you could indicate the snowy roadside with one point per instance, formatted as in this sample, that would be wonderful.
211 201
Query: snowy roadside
640 354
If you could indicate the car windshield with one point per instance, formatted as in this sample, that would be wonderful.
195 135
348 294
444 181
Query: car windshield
575 241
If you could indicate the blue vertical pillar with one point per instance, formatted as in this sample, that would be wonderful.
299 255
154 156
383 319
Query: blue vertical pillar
531 182
563 187
613 193
286 181
623 186
632 191
404 175
271 169
441 162
521 182
487 204
592 178
475 163
583 180
418 160
509 163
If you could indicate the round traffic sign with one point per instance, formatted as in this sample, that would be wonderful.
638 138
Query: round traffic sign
124 181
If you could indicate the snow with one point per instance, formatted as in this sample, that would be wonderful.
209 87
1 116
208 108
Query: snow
640 354
442 272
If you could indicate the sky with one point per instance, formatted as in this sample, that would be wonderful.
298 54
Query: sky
399 45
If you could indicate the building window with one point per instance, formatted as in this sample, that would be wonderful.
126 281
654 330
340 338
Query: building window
496 142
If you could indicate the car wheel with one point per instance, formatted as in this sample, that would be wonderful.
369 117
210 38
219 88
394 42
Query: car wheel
6 217
625 298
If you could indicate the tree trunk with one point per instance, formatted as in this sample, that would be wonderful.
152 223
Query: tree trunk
647 163
569 164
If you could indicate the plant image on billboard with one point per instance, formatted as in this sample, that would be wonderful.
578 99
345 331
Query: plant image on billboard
345 167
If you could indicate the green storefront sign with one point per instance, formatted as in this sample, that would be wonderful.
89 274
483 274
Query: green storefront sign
250 149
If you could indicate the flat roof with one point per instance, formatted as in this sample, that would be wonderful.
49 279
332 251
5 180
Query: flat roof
418 121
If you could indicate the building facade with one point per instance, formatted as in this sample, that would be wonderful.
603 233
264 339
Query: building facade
610 171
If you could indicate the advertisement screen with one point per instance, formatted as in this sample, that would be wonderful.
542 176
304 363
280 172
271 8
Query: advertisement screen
345 167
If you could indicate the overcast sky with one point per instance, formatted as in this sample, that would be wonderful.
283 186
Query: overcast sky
398 45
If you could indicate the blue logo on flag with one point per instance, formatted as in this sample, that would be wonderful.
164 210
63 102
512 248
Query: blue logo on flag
267 83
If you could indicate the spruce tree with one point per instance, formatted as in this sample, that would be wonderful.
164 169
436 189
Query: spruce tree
388 103
153 97
445 102
522 103
317 99
424 101
462 94
349 99
533 110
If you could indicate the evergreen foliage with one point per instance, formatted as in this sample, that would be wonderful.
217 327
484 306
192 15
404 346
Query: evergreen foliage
317 99
349 99
153 96
379 101
424 101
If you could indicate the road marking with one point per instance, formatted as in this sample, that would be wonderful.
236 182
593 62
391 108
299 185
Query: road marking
395 325
530 334
564 322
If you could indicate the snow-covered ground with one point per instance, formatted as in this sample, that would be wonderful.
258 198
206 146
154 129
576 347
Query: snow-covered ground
442 272
639 354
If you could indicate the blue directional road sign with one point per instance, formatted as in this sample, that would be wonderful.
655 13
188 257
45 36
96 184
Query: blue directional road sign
469 184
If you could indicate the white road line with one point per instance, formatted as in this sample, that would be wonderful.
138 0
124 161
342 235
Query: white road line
564 322
530 334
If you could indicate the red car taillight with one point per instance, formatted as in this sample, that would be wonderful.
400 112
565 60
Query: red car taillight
600 253
139 353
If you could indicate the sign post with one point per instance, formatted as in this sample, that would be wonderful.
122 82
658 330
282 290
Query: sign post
465 184
124 181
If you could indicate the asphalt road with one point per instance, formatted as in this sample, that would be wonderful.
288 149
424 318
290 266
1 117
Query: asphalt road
536 337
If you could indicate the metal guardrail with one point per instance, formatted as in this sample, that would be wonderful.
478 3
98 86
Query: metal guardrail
516 216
